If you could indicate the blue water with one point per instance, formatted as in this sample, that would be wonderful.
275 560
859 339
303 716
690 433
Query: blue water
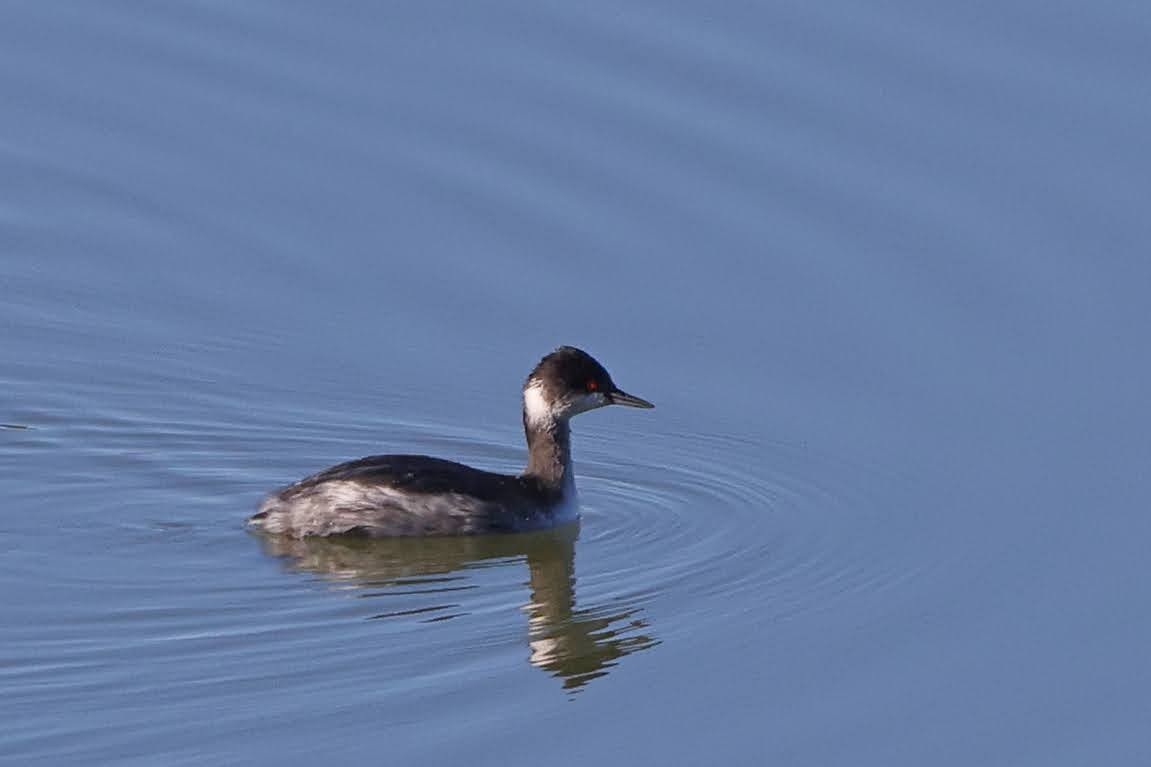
883 269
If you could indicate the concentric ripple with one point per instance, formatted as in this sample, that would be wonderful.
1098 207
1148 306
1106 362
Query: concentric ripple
737 524
702 528
710 526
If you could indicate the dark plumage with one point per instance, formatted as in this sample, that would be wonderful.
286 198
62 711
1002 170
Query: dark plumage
403 495
569 369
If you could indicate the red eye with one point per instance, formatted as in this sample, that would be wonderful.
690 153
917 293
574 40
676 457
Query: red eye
592 385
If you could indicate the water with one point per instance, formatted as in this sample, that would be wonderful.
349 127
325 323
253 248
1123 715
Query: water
882 269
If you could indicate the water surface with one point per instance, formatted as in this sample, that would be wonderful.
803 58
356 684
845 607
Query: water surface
882 269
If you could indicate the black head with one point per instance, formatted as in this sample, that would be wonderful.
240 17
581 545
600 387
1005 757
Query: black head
570 381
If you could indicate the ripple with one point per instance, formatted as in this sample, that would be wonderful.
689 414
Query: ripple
731 525
702 527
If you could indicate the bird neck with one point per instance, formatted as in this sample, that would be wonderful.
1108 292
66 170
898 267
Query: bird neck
549 451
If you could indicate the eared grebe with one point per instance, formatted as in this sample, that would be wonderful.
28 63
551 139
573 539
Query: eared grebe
396 495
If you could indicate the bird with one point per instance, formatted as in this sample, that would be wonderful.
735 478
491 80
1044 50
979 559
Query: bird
385 496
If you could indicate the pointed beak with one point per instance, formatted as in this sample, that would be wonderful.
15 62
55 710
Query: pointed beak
618 397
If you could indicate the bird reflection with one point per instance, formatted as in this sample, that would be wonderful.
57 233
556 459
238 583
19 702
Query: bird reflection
576 645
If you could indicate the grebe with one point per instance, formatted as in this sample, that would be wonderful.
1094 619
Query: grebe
408 495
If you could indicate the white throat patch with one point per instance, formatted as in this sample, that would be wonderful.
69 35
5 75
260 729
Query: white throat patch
535 406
